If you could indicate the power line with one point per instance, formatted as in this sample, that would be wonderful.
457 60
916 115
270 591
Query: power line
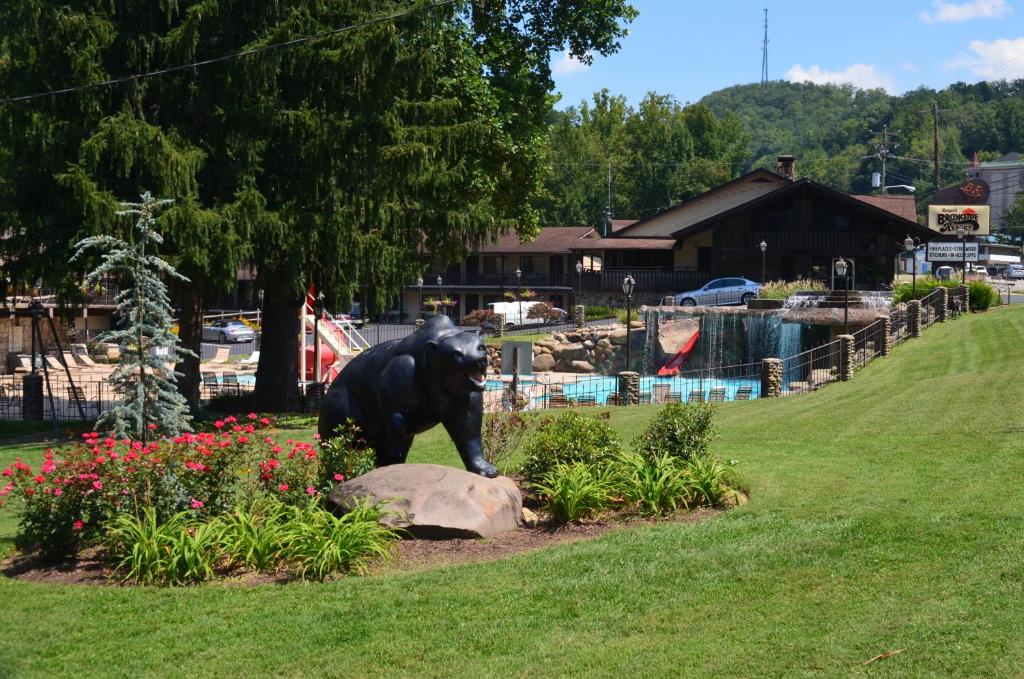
229 57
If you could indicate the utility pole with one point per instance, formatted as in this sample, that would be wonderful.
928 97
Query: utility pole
764 53
608 205
883 148
935 138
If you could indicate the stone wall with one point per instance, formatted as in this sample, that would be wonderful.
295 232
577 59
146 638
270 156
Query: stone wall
594 349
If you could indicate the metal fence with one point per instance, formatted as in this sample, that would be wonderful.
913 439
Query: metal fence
811 369
867 343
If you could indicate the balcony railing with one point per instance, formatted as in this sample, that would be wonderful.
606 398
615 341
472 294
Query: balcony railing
607 280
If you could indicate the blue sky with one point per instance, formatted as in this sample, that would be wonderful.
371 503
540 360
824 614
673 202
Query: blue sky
690 49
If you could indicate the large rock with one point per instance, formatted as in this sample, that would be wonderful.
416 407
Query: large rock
434 501
570 352
543 363
581 367
617 336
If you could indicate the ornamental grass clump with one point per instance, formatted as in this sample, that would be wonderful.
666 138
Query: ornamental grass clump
786 289
178 551
319 544
571 492
653 486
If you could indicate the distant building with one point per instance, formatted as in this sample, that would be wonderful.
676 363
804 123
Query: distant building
1005 179
804 225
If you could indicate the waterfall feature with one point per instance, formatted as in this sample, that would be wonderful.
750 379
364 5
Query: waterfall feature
763 333
712 339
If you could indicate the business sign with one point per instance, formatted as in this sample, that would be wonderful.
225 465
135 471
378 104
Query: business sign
974 219
951 251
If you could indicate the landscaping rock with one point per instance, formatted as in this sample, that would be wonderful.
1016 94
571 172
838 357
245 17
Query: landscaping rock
571 352
434 501
543 363
530 519
617 336
581 367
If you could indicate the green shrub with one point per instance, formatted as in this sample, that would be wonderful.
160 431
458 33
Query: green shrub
573 437
502 432
680 430
319 544
345 456
785 290
574 491
904 292
653 486
600 313
982 296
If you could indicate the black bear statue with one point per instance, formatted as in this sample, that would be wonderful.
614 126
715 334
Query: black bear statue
403 387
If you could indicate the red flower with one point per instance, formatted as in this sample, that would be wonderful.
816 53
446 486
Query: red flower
283 487
252 416
98 485
219 424
152 426
197 504
77 525
339 477
310 490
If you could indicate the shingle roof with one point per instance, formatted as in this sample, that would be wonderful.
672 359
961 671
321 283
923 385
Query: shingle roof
902 206
551 240
625 244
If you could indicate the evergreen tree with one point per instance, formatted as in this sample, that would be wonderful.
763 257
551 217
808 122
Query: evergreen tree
151 403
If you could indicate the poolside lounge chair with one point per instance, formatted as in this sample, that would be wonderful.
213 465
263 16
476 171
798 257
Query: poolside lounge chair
744 393
24 365
7 401
76 396
588 400
53 363
220 355
250 362
229 382
211 383
696 396
717 395
613 399
673 397
558 401
645 397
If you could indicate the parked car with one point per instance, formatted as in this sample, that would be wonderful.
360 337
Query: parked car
719 292
1014 271
228 331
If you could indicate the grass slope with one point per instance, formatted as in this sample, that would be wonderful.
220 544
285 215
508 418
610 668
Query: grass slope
886 514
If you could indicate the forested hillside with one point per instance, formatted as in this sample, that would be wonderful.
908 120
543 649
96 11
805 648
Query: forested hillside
662 152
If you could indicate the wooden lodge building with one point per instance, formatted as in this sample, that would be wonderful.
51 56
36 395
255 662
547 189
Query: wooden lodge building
805 226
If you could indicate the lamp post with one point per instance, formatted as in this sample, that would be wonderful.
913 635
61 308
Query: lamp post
519 295
440 286
628 284
764 247
579 282
841 267
961 233
419 284
910 244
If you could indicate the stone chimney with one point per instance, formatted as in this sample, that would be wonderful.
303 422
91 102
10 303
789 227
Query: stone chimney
787 167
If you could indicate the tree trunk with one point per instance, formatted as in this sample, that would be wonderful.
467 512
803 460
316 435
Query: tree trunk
278 370
190 333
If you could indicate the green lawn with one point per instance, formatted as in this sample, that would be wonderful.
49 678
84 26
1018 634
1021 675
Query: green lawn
885 514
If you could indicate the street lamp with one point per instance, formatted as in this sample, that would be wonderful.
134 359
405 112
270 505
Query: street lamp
440 286
579 282
519 295
627 289
961 233
763 246
910 245
841 267
419 284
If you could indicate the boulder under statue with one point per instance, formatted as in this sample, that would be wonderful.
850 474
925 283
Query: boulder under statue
403 387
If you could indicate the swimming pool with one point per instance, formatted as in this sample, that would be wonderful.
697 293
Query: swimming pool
599 388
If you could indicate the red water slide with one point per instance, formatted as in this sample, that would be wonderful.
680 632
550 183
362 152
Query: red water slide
680 359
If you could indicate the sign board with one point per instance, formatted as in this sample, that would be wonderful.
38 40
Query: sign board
951 251
523 351
974 219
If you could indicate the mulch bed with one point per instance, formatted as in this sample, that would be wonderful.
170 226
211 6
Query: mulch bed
413 554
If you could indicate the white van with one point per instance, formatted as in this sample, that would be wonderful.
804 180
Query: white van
517 313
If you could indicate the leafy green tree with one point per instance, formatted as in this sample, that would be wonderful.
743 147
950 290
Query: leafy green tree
151 404
329 161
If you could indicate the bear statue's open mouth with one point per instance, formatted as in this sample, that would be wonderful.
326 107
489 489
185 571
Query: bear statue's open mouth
477 379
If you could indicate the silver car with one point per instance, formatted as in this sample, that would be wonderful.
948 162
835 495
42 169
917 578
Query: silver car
228 331
719 292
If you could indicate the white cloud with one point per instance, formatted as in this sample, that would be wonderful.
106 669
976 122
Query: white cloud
864 76
965 11
567 64
997 59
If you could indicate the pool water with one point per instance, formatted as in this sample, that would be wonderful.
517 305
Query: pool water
600 388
